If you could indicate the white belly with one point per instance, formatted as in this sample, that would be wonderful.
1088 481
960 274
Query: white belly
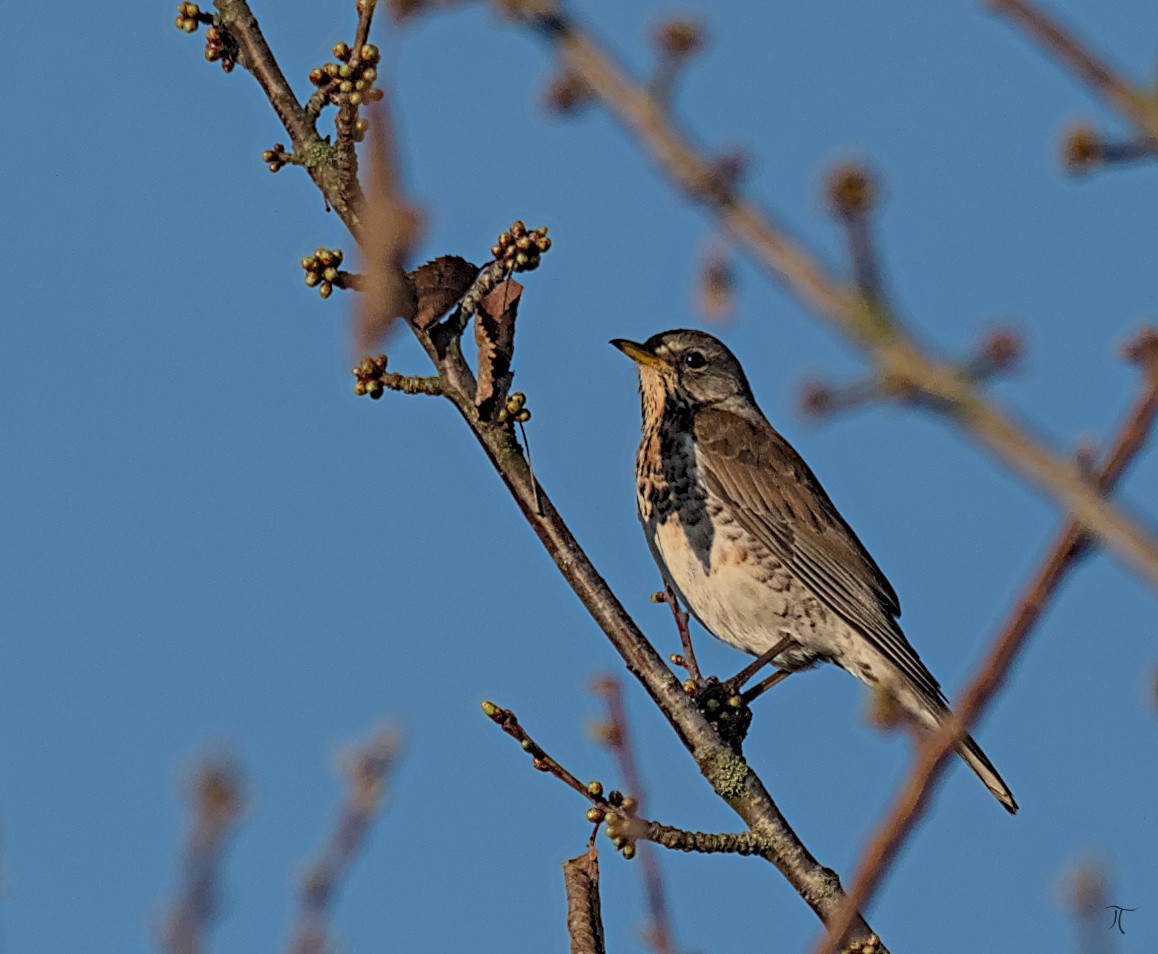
745 598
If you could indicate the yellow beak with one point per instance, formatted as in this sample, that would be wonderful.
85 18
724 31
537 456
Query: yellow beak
638 353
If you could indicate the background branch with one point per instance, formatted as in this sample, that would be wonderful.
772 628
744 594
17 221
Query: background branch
367 769
215 794
1138 106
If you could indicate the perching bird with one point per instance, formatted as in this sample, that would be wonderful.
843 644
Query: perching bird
751 543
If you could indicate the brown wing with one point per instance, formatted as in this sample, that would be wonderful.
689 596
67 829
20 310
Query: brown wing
776 498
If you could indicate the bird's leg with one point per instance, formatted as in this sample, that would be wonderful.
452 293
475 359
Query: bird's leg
764 685
736 683
681 621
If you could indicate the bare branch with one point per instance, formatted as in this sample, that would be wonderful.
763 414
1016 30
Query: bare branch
936 752
215 793
1118 93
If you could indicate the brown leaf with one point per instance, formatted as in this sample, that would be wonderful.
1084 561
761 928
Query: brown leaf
494 333
440 284
390 229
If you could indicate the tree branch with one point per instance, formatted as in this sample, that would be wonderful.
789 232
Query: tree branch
1062 556
344 194
895 354
215 793
1139 107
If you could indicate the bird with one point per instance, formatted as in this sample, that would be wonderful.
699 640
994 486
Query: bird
753 546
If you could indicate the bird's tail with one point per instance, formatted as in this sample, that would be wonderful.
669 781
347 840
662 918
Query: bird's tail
971 752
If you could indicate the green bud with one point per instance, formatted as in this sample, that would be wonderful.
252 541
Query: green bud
312 278
490 708
595 788
629 852
325 289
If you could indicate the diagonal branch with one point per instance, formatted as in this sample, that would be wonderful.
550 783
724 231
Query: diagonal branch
1138 107
897 357
368 770
935 754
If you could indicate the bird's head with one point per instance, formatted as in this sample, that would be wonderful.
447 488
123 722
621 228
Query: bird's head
692 367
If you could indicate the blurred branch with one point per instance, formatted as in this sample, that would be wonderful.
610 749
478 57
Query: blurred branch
659 933
1140 107
869 324
936 752
215 793
584 920
367 771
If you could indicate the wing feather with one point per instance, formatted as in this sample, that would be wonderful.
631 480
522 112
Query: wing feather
774 496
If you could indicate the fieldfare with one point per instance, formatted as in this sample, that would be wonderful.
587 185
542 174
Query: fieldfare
753 546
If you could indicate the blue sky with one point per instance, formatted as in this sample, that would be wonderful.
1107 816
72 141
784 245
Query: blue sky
213 546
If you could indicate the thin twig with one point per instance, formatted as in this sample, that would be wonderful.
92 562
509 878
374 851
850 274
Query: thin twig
1120 94
659 933
367 770
936 752
620 812
531 468
894 351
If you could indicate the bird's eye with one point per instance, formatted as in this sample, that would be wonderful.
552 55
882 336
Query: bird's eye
695 360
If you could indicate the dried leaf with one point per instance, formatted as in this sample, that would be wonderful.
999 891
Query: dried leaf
438 285
494 333
390 229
